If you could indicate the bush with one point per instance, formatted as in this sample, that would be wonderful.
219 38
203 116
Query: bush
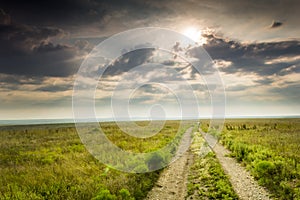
125 194
104 194
156 161
264 170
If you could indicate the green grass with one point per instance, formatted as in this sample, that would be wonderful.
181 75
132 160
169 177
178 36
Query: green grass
207 179
50 162
270 149
140 145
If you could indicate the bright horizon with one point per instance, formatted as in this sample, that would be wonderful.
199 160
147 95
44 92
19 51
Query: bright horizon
169 118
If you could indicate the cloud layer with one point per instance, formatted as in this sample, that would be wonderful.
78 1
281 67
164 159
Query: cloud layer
255 44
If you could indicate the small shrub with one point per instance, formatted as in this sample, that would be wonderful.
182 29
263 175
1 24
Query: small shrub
125 194
265 168
156 161
104 194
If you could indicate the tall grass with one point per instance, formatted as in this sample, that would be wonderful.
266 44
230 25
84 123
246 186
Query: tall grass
270 149
50 162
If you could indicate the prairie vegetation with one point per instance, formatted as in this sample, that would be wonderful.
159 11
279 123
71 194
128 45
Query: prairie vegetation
270 150
50 162
207 179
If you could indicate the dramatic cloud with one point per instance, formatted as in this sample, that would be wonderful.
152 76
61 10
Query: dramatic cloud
91 17
55 12
260 58
129 61
256 72
239 19
16 38
44 42
28 50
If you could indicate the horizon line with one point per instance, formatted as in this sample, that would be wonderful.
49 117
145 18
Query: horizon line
36 121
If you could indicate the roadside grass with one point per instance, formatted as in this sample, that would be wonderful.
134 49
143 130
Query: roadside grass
270 150
50 162
207 179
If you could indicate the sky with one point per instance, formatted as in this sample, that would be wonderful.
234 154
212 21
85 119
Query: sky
254 44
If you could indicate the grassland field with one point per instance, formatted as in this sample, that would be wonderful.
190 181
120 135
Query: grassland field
269 149
50 162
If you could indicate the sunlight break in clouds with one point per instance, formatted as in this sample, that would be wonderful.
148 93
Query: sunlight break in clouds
42 48
195 34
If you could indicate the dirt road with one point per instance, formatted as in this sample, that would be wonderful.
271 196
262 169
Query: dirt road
172 183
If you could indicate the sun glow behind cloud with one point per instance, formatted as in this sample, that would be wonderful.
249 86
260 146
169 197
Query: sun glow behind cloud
42 51
195 34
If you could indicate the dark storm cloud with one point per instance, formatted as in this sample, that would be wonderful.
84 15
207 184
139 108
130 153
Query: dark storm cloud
46 60
128 61
29 33
17 38
138 9
45 47
27 50
253 57
54 12
78 13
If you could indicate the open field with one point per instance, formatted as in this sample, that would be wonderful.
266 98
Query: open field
50 162
270 150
